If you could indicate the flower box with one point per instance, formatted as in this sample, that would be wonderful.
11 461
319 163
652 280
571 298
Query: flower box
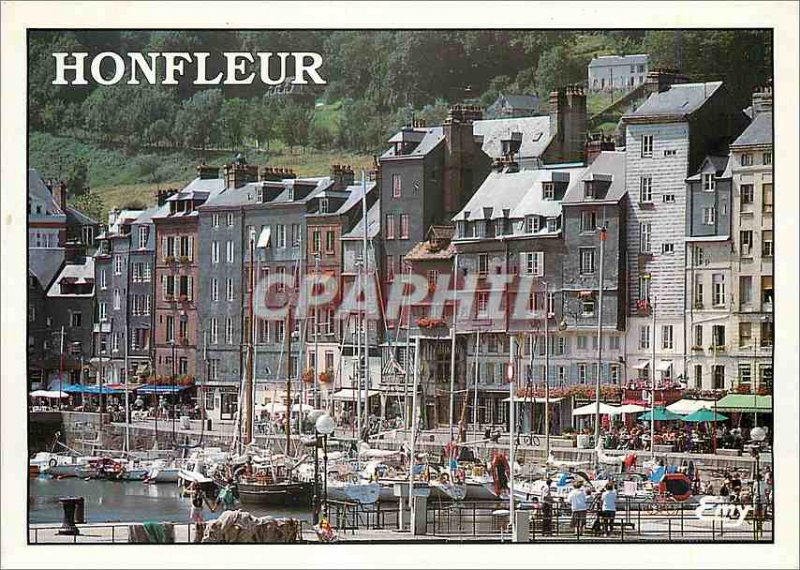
426 323
169 259
325 377
183 259
308 376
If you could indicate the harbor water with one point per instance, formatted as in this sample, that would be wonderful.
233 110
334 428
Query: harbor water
125 501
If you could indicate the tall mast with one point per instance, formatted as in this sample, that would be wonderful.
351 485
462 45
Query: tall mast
453 350
364 282
127 396
247 399
316 340
599 346
653 385
358 358
512 365
287 341
477 368
411 501
546 373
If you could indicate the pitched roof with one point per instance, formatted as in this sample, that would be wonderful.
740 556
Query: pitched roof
356 194
535 135
38 189
44 264
522 101
248 194
427 251
430 139
711 163
82 273
607 60
197 189
679 100
759 132
607 162
533 202
373 224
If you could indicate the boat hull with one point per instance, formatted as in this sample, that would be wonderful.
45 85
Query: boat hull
293 492
448 491
363 493
164 475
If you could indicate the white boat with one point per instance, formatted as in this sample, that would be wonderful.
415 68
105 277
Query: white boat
352 489
448 490
163 472
42 460
79 467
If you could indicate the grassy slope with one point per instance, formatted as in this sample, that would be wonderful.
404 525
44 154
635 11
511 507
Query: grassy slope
116 176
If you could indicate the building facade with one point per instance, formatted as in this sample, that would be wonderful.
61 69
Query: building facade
612 72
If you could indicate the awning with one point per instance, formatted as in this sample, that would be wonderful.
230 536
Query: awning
744 403
631 409
664 365
350 394
48 394
686 406
263 238
591 409
642 365
152 389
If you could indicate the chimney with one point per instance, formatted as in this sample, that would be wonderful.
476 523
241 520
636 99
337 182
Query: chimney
276 174
238 173
206 172
342 175
762 100
59 190
660 79
462 152
597 145
162 195
511 144
567 125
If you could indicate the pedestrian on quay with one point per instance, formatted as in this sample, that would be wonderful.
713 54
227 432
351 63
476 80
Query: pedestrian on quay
547 509
608 510
577 503
196 515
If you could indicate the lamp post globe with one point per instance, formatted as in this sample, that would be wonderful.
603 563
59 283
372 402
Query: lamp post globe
325 424
758 434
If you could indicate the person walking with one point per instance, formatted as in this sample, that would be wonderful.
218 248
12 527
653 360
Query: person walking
199 501
608 509
547 509
577 503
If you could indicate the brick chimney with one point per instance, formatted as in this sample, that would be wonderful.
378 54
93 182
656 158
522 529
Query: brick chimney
461 153
342 175
59 190
567 125
762 100
238 173
276 174
660 79
597 145
162 195
206 172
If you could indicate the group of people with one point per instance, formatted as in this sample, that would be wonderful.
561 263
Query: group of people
581 497
682 437
224 500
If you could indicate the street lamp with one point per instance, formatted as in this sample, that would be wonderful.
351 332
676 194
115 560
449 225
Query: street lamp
758 435
324 426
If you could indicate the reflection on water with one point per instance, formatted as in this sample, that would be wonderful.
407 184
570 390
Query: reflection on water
124 501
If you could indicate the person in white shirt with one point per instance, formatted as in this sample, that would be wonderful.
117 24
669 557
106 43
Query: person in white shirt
577 502
609 507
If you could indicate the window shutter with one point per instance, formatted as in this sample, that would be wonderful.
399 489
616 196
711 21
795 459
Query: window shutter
539 263
523 263
191 248
190 284
163 287
163 246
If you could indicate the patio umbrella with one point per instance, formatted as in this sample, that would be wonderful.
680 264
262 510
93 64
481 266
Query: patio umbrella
660 414
705 415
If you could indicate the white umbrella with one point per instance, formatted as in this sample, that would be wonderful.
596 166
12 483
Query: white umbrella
631 409
301 407
591 409
48 394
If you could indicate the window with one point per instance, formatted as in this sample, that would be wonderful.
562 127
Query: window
767 332
633 69
533 263
698 335
767 198
280 236
613 373
765 376
483 263
483 304
551 303
668 248
389 226
587 307
745 334
433 277
323 205
186 247
581 342
766 291
330 240
103 279
745 375
117 265
213 331
644 237
295 235
745 290
766 158
644 337
76 319
667 342
185 286
532 224
552 224
747 159
587 260
582 373
668 198
315 241
697 256
170 329
403 226
170 246
746 194
670 152
229 331
229 290
647 146
698 291
698 376
214 252
143 234
588 221
644 287
718 336
766 243
746 243
709 216
613 342
646 190
708 182
396 185
215 220
389 267
31 313
229 252
117 300
215 289
718 289
718 374
115 342
548 191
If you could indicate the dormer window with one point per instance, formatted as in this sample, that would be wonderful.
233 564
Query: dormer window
708 182
499 227
479 229
548 191
461 227
589 190
323 205
532 224
552 224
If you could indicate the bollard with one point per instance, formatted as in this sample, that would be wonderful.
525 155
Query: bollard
68 526
80 510
522 531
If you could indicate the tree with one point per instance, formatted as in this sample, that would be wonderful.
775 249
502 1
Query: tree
293 125
233 121
78 178
557 68
263 118
197 121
